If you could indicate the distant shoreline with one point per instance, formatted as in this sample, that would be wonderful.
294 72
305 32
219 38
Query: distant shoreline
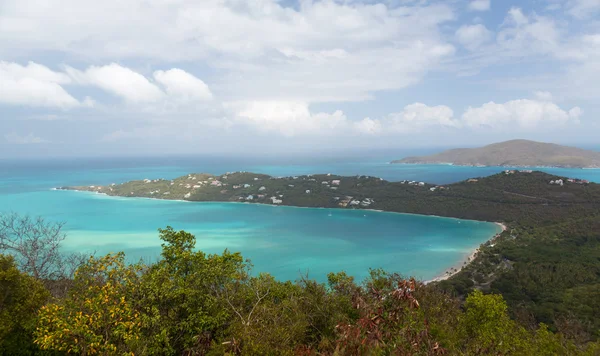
475 165
461 264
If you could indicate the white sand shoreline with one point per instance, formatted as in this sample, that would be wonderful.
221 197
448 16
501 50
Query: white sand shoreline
461 264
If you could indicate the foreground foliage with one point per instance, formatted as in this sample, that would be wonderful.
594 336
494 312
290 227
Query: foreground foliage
190 303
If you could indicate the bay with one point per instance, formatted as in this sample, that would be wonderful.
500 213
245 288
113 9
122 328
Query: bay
283 241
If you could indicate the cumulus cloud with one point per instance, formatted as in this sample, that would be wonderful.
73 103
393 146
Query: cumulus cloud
473 36
16 139
480 5
287 118
164 92
414 118
274 51
35 85
182 85
119 81
519 114
582 9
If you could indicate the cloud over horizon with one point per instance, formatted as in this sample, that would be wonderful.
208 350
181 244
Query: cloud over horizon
320 71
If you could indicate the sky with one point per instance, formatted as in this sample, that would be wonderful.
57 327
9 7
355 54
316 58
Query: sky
234 77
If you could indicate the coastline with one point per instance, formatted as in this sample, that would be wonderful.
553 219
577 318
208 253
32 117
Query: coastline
453 270
449 272
488 166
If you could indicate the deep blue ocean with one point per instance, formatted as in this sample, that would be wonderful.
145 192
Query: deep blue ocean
283 241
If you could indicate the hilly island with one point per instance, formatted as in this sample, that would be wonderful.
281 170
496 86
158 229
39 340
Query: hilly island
551 237
513 153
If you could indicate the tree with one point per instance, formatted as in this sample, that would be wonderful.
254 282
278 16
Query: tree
99 316
21 296
181 304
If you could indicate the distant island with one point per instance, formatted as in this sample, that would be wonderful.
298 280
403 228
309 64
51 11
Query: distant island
515 153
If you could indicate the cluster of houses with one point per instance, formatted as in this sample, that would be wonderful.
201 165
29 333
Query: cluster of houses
578 181
349 201
512 171
412 182
557 182
570 180
433 189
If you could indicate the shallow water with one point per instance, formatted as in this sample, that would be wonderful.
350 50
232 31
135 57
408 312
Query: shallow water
284 241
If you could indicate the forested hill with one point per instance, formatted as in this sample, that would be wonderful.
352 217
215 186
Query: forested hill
514 153
524 196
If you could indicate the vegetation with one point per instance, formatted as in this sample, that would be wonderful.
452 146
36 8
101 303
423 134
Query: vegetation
534 289
189 303
514 153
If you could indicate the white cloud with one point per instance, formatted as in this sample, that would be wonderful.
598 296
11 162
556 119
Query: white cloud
182 85
368 126
521 34
14 138
119 81
35 85
582 9
480 5
519 114
273 51
288 118
414 118
473 36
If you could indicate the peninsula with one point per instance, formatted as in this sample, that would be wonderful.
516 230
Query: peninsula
551 237
515 153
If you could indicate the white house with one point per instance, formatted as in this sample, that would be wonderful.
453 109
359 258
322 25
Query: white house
308 191
335 182
262 188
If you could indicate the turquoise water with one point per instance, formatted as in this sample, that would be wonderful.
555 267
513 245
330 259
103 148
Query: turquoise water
283 241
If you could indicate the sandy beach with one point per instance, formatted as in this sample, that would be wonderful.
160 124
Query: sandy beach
461 264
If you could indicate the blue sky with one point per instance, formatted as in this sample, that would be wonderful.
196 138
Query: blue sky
82 77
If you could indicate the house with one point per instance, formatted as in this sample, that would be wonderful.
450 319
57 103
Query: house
324 182
421 184
260 196
216 183
255 178
261 188
355 202
224 191
274 200
308 191
197 186
334 188
187 195
166 193
236 186
250 197
472 180
432 189
335 182
147 181
246 185
291 185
